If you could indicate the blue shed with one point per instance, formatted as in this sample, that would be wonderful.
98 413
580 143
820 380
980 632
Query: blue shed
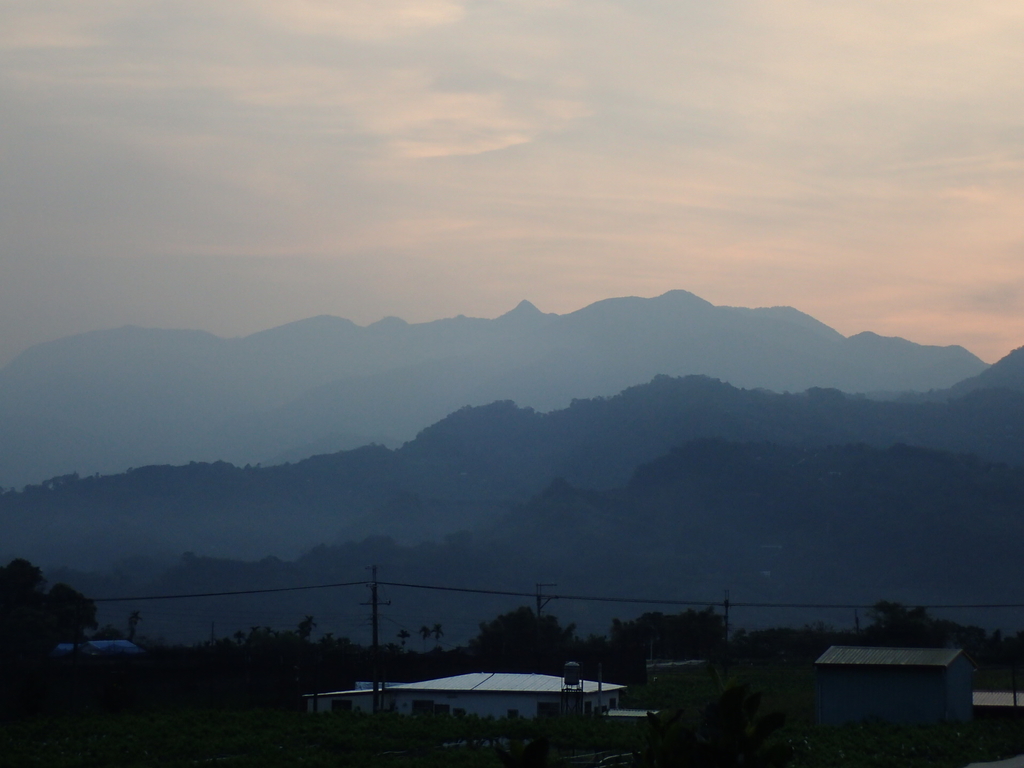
897 685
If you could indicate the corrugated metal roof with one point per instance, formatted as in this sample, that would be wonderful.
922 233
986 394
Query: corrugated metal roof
629 714
889 657
99 648
505 682
998 699
493 682
351 692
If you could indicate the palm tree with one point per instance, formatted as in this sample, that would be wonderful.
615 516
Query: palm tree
306 628
403 636
424 633
438 633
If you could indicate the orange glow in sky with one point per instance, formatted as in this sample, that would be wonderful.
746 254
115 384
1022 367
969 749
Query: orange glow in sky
239 164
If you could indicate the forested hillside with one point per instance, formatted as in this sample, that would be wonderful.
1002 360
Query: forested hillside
774 524
465 471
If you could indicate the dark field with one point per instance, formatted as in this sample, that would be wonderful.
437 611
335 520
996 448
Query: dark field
262 737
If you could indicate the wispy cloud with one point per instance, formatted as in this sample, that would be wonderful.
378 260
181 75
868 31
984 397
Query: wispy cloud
860 160
355 19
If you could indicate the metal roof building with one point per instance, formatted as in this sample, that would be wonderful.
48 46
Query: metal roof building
99 648
998 703
902 685
487 694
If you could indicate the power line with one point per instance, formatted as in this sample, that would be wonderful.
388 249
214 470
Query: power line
604 599
969 605
549 596
470 590
806 605
872 605
227 594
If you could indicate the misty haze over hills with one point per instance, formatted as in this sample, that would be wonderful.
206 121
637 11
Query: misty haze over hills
616 496
109 400
687 485
468 470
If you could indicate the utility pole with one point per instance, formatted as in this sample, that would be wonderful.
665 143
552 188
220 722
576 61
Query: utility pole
725 659
74 655
538 647
541 600
375 648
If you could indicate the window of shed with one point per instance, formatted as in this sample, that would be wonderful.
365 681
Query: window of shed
341 705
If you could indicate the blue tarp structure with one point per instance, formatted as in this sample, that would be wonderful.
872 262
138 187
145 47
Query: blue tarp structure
99 648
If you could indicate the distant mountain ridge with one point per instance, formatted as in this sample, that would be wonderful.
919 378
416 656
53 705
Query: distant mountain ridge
107 400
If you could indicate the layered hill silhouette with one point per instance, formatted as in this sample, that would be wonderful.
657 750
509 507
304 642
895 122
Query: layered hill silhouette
1007 373
106 401
468 470
773 524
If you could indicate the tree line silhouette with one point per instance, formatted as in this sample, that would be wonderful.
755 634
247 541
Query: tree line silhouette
270 667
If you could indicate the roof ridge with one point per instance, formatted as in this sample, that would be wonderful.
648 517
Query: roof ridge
489 676
845 655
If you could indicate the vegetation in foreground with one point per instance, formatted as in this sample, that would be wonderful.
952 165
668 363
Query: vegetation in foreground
274 738
730 733
265 737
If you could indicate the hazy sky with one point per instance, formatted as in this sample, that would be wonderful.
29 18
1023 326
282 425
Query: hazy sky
236 164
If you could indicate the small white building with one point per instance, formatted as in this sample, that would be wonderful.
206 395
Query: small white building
486 694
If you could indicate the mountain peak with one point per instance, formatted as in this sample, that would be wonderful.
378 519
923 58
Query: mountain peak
523 308
524 313
679 296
